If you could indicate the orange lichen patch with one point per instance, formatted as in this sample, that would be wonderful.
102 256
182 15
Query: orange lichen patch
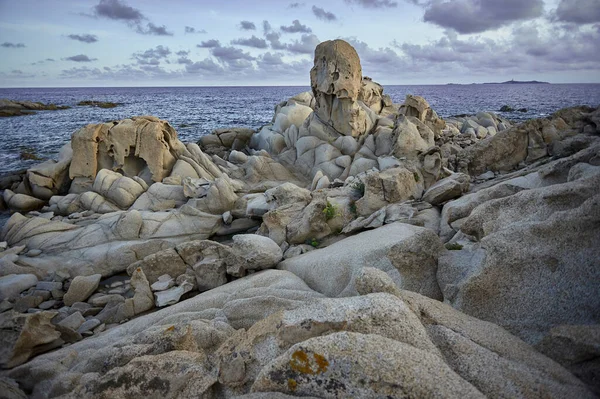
292 384
170 329
322 363
301 363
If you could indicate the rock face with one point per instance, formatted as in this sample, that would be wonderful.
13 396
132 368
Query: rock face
407 253
143 146
336 82
110 245
534 245
13 284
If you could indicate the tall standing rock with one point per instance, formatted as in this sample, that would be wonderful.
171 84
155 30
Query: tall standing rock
336 80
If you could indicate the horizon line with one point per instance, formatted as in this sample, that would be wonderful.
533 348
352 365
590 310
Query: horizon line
241 86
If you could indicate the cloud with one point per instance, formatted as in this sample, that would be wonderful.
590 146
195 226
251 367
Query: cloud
323 15
121 73
119 11
578 11
228 54
80 58
115 9
271 59
474 16
182 53
296 5
274 40
84 38
152 56
266 27
43 61
205 66
152 29
296 27
306 45
184 60
247 25
192 30
251 42
212 43
12 45
374 3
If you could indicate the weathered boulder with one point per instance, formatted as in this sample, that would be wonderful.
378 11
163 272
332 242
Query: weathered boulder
387 187
119 189
51 177
160 197
407 253
23 335
109 245
144 145
13 284
447 189
81 288
21 202
259 252
534 263
336 82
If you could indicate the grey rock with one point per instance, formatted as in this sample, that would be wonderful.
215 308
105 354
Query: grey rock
13 284
73 321
81 288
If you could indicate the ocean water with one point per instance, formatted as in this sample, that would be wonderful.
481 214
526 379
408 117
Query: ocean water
196 111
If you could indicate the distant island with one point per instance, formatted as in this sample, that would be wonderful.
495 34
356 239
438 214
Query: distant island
518 82
508 82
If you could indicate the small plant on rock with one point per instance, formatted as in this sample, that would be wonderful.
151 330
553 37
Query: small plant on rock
454 246
330 211
314 242
416 176
359 186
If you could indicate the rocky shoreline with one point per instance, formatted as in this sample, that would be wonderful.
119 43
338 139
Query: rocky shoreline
353 247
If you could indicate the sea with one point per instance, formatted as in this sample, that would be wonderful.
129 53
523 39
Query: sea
197 111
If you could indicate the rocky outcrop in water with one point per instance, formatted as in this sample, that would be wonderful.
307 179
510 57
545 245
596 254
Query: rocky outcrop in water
351 248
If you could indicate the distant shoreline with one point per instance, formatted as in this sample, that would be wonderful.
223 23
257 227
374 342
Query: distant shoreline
508 82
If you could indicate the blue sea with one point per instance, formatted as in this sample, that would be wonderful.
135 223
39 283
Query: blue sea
196 111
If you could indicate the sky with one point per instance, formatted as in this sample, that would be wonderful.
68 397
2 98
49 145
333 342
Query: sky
107 43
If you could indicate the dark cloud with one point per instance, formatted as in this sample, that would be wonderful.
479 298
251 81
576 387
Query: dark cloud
578 11
192 30
306 45
80 58
205 66
84 38
296 27
212 43
474 16
274 40
12 45
530 49
184 60
374 3
43 61
115 9
296 5
152 29
228 54
266 27
182 53
271 59
152 56
323 15
251 42
247 25
119 11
